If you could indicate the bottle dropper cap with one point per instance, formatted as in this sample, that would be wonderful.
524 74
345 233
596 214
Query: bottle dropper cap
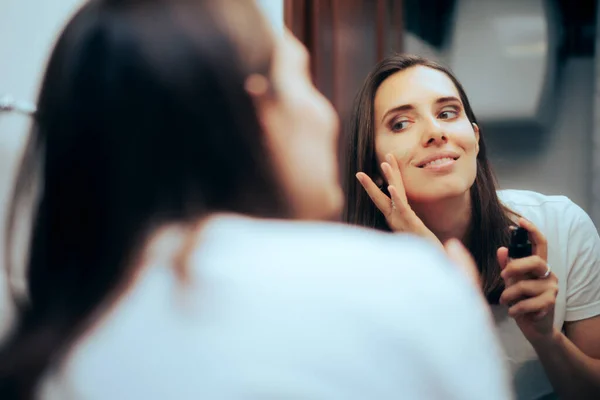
520 246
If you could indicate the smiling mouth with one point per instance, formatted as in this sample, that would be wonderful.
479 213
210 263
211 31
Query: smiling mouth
439 161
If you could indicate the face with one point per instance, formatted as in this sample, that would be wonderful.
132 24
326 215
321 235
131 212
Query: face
302 129
420 119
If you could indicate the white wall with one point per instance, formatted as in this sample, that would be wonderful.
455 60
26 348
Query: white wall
28 29
557 161
274 11
504 52
595 161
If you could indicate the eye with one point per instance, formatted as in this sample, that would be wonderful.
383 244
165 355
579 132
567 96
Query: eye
398 126
448 114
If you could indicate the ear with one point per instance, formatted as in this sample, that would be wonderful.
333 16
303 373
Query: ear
257 86
476 131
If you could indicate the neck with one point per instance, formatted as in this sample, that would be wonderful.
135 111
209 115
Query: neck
447 218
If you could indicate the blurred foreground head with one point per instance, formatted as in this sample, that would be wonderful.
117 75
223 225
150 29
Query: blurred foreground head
156 112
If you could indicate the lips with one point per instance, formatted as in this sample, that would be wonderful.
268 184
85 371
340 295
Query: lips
438 159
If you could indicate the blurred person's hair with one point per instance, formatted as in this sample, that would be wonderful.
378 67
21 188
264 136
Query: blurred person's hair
143 120
490 227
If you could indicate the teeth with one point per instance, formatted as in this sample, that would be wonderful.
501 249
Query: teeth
439 161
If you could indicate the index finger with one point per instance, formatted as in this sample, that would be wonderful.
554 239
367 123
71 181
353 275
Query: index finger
395 176
538 240
524 268
382 202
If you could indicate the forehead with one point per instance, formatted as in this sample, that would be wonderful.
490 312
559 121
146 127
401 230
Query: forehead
415 85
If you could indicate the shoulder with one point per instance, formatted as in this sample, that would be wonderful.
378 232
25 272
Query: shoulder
564 223
342 267
352 283
549 211
531 199
328 250
573 241
324 287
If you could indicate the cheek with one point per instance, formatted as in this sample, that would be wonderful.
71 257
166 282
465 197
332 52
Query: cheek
315 115
464 137
469 144
311 137
470 147
325 113
401 148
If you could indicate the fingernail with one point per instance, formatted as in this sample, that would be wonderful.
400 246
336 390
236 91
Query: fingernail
358 176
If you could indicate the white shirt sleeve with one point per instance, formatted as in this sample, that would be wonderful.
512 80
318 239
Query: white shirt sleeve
583 279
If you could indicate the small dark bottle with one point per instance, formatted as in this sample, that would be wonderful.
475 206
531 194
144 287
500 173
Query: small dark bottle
520 246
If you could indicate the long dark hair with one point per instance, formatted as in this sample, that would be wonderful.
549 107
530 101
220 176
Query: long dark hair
143 120
491 220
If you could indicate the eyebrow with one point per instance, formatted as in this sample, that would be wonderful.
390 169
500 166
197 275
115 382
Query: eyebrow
406 107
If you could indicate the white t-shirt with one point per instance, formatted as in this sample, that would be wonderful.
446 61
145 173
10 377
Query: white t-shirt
574 255
280 310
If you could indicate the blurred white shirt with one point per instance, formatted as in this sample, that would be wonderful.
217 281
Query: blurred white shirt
288 310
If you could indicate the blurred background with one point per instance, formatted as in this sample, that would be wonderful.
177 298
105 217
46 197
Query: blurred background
529 67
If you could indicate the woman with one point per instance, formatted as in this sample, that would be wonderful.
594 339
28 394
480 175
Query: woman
173 140
417 163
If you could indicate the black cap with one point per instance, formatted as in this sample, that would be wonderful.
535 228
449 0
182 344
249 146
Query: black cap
520 246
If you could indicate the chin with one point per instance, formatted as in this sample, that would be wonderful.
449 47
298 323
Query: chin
332 205
434 194
326 206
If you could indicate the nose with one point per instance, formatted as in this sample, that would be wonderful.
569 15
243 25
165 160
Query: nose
434 134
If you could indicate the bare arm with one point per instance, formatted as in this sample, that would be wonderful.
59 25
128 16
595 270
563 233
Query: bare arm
572 360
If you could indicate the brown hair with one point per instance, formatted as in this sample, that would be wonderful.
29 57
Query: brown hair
491 220
143 121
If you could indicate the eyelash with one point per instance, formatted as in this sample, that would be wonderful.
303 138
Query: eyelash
394 123
452 109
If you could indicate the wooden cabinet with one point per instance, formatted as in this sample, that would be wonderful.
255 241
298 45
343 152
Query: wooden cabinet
345 39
